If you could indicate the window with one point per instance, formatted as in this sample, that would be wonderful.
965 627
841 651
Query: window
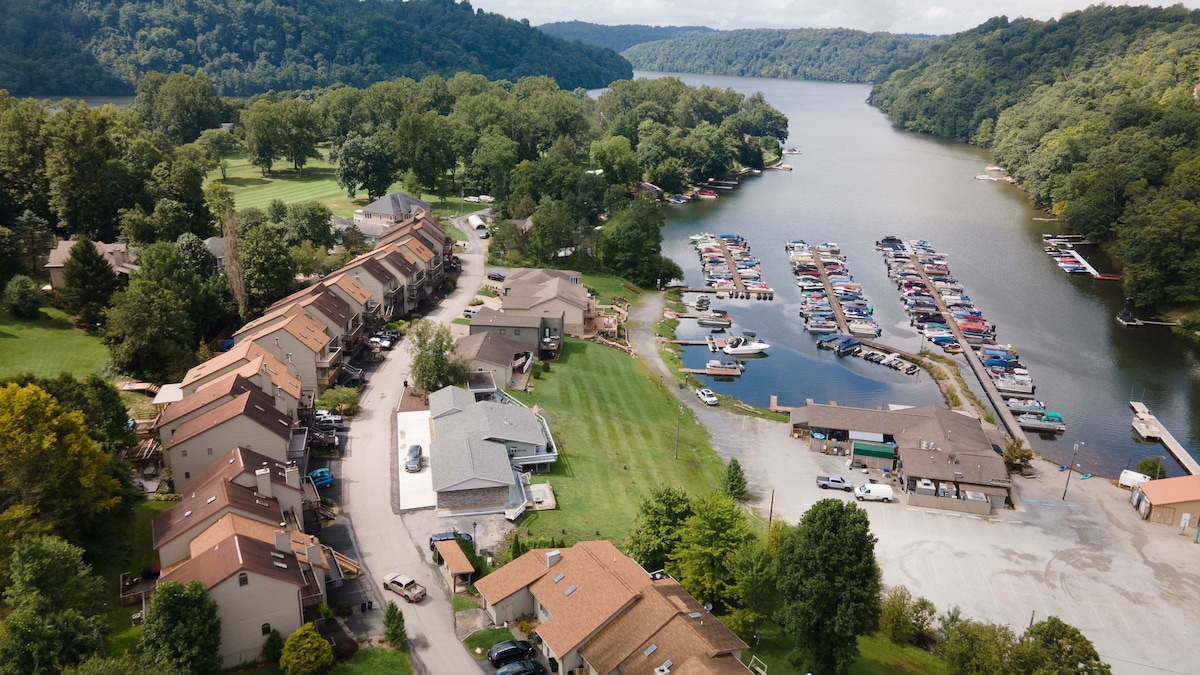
244 580
266 629
210 451
187 475
183 453
503 332
516 331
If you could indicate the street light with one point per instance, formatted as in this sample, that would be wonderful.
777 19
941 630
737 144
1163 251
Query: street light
678 420
1070 467
474 543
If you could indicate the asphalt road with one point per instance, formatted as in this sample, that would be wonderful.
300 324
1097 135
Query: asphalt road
370 504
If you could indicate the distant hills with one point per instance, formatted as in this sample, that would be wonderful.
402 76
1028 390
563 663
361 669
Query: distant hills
619 38
102 47
799 54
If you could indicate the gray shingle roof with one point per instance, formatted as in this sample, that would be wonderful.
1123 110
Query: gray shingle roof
396 203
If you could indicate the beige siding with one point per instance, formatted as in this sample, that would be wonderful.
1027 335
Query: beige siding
509 609
244 609
1172 514
500 374
190 457
302 358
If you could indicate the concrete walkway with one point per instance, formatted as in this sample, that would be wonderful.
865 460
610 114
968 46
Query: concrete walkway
1129 585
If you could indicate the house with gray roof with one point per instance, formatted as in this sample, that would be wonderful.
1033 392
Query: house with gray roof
541 335
390 209
478 448
493 353
552 295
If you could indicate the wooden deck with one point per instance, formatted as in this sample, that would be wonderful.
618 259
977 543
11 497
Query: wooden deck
1147 426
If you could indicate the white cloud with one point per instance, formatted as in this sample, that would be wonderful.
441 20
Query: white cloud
896 16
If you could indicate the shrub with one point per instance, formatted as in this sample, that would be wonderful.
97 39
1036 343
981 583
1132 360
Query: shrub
22 297
273 649
340 400
306 653
343 608
393 627
545 366
345 648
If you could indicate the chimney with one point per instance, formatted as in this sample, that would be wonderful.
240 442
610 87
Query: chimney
312 553
263 478
264 379
283 540
292 475
553 557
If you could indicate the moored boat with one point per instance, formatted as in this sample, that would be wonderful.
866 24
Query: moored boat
1050 422
744 345
715 319
1025 405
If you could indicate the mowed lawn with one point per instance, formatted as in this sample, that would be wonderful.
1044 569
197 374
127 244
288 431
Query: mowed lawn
615 428
48 345
250 188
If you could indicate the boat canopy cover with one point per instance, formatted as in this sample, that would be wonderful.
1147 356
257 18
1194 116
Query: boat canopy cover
1052 416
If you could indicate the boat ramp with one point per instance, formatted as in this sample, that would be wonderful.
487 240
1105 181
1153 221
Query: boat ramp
1148 427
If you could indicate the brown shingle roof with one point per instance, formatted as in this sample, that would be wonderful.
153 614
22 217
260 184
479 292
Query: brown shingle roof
232 523
350 287
203 502
224 387
253 404
234 554
453 557
303 326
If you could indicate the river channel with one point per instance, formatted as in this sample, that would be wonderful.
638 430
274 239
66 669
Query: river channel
858 179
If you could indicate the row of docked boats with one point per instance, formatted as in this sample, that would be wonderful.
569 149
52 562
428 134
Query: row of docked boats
728 264
933 299
813 267
848 345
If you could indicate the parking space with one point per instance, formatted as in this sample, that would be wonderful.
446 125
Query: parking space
414 490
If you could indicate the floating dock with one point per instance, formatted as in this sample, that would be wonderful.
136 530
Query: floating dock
1096 274
715 372
1148 427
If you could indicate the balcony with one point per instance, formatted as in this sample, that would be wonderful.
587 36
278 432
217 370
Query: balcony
332 356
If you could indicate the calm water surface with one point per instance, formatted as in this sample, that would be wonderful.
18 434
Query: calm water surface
857 180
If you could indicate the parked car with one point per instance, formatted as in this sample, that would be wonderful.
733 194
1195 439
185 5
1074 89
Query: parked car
412 462
484 234
874 492
707 396
322 439
321 477
836 482
389 333
403 585
447 536
526 667
470 312
381 342
509 651
495 276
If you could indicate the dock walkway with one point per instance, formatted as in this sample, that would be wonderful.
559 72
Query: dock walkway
839 314
989 387
733 270
1147 426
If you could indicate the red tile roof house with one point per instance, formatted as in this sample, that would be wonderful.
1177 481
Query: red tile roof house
236 532
600 613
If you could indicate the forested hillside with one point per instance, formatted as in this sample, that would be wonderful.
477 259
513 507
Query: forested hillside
619 38
102 47
1095 114
802 54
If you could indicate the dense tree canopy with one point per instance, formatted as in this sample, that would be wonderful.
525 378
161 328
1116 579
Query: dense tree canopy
251 46
435 364
1094 114
657 533
838 54
619 38
183 630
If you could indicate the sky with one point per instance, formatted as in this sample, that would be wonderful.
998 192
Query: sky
894 16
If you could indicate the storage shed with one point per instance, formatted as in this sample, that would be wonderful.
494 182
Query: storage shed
1169 501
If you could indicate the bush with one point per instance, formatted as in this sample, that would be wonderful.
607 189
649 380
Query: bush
326 612
22 297
343 608
273 649
537 374
306 653
393 627
545 366
340 400
345 648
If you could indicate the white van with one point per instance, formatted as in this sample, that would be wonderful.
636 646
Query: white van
873 492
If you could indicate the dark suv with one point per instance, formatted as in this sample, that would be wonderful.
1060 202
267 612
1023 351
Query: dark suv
509 651
449 536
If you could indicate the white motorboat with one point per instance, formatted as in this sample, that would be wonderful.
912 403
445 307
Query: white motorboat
744 345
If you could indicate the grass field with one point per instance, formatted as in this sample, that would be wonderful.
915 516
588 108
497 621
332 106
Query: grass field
615 429
607 288
136 550
877 656
372 661
251 189
48 346
484 639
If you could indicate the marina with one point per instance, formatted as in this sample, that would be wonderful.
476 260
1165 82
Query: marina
1148 427
1062 248
729 267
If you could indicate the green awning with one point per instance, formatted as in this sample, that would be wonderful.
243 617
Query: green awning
874 450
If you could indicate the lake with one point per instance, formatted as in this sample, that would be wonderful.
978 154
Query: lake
858 179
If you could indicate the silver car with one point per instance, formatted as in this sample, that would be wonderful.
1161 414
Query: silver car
412 463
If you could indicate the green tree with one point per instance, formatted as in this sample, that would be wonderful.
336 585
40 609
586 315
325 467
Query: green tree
37 643
434 362
829 583
22 298
903 619
88 283
179 105
120 665
659 521
182 629
264 134
1152 466
300 129
339 400
617 159
1067 649
393 627
308 221
149 333
633 245
273 646
195 255
708 541
31 239
306 653
218 144
733 481
365 163
49 575
104 412
977 648
425 147
755 590
268 268
49 464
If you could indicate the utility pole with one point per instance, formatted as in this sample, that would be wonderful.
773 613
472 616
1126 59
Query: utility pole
678 420
1070 468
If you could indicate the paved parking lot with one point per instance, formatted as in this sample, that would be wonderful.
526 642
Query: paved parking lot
414 490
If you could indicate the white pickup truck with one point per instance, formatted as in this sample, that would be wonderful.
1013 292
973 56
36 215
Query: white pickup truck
836 482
